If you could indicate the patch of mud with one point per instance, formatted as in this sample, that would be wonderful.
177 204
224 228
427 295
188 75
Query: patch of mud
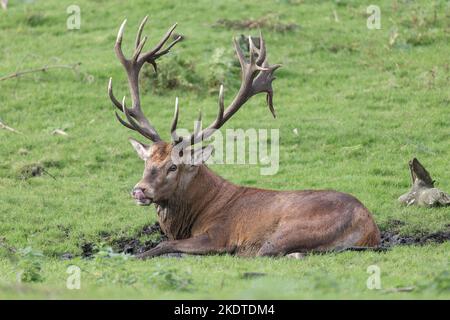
33 170
87 250
390 239
392 236
270 22
132 245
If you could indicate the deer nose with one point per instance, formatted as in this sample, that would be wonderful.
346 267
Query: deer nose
138 193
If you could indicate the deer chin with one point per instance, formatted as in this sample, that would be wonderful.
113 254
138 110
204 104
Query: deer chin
143 202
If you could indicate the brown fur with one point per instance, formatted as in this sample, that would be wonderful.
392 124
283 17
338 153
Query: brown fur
207 214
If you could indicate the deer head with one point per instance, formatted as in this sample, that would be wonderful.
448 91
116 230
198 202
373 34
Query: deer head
170 166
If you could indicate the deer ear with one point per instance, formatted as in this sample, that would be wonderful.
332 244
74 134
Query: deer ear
141 148
201 155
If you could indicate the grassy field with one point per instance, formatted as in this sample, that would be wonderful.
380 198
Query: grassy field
364 102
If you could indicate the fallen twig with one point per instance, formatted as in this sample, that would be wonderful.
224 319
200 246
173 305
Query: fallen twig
42 69
402 289
336 17
4 126
48 173
59 132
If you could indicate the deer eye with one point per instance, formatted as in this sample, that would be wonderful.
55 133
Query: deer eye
172 168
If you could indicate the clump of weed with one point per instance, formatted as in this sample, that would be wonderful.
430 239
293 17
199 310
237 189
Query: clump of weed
220 68
335 48
174 72
223 68
28 171
421 38
30 265
35 19
31 170
270 22
170 279
421 26
439 283
111 260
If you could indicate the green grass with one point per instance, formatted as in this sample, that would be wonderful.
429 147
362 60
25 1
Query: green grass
363 107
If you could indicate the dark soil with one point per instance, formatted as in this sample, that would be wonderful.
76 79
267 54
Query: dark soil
390 239
31 170
87 250
34 170
392 236
267 22
132 245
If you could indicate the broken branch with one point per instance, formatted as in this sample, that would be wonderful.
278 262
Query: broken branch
4 126
42 69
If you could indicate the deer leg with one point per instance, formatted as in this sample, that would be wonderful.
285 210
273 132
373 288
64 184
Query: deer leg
197 245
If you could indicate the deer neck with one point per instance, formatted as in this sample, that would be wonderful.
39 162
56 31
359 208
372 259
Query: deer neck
178 214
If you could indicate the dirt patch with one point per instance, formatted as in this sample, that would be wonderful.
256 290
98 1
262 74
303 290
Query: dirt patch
129 245
269 22
33 170
392 236
132 245
390 239
87 250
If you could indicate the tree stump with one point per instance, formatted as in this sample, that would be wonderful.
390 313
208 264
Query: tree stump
423 193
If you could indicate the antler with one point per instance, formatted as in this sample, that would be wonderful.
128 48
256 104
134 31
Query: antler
136 118
256 77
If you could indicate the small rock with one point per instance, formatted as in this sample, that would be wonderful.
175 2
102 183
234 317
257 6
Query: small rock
251 275
67 256
23 151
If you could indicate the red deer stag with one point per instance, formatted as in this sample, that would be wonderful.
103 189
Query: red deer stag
202 213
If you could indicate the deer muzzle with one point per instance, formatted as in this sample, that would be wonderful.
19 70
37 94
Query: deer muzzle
140 197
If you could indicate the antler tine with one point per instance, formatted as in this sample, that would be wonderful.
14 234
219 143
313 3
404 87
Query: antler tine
252 51
198 126
138 50
139 33
256 77
112 97
118 45
262 50
219 117
173 130
145 131
124 123
239 54
167 49
150 55
136 118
